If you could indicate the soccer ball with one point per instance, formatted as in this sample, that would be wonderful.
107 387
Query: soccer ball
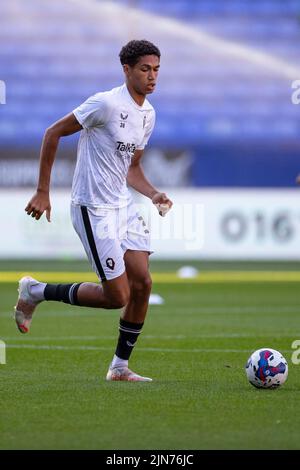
266 368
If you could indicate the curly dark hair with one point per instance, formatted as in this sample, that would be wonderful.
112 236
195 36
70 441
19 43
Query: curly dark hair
133 50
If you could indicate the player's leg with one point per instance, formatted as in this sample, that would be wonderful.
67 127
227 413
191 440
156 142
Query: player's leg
133 316
112 294
136 257
106 257
140 284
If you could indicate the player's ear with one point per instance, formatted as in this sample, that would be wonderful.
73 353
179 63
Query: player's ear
126 69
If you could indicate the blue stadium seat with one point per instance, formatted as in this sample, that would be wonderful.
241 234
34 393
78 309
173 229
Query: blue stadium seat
54 54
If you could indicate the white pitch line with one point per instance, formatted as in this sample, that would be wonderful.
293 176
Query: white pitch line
155 337
103 348
88 338
252 309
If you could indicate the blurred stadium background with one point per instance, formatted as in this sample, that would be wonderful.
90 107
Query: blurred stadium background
226 148
227 129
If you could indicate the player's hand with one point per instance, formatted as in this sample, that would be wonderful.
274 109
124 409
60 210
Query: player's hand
162 203
38 204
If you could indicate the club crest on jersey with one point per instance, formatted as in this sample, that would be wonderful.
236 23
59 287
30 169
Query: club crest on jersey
125 147
123 118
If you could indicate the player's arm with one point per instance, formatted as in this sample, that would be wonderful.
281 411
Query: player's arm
138 181
40 202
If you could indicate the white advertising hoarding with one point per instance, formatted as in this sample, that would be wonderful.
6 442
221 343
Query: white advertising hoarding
203 224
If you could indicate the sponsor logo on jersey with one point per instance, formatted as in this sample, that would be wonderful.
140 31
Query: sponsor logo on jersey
125 147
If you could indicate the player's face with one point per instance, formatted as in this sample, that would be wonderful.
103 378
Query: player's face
143 75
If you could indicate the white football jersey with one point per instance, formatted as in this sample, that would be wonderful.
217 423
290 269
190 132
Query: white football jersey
114 126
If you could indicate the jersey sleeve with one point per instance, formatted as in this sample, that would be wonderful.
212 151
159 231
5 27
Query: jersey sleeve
148 131
93 112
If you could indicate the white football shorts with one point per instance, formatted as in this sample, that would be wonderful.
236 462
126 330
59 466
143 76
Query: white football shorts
106 234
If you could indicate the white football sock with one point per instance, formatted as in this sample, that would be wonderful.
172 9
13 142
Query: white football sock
37 291
118 362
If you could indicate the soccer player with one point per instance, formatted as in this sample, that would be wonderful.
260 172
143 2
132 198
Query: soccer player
115 127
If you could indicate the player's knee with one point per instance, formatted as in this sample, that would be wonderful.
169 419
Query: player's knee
147 284
141 286
119 299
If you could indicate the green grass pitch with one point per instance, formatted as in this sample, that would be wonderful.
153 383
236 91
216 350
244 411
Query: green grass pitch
195 346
